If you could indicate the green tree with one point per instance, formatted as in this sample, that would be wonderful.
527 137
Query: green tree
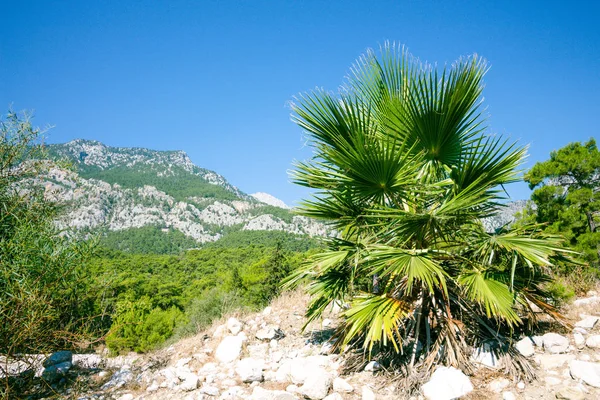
404 170
567 196
45 300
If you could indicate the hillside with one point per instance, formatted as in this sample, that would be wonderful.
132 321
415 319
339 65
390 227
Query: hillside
112 189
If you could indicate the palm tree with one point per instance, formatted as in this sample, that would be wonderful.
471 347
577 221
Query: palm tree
405 171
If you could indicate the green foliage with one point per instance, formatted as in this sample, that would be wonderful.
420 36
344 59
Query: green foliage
45 299
151 297
404 169
181 184
288 241
148 240
567 196
281 213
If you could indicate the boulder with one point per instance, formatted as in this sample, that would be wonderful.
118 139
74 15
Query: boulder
270 333
229 349
263 394
342 386
234 326
579 340
509 396
209 390
87 361
189 382
555 343
587 372
55 372
58 358
250 370
334 396
485 356
588 322
553 361
373 366
367 393
593 341
570 393
525 346
587 301
447 383
317 384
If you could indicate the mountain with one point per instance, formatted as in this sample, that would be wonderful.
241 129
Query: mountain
270 200
114 189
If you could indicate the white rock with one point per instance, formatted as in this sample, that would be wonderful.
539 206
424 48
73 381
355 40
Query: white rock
525 347
326 322
250 370
189 382
334 396
593 341
588 322
317 384
262 394
579 340
127 396
521 385
373 366
267 311
508 396
555 343
341 385
538 341
587 372
234 326
209 390
269 333
587 301
552 381
447 383
229 349
484 355
498 385
291 388
553 361
220 331
367 393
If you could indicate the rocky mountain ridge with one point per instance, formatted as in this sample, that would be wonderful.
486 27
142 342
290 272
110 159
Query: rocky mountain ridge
113 189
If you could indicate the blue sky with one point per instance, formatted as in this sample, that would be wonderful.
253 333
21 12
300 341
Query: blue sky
214 78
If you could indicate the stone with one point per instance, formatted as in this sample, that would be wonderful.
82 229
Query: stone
579 340
342 386
55 372
367 393
250 370
485 356
525 346
291 388
263 394
209 390
570 393
585 371
555 343
373 366
498 385
593 341
521 385
334 396
119 379
317 384
270 333
553 361
538 341
189 382
229 349
447 383
509 396
127 396
234 326
87 361
588 322
587 301
58 358
267 311
326 323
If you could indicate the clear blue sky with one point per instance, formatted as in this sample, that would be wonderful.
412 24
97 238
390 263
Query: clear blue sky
213 77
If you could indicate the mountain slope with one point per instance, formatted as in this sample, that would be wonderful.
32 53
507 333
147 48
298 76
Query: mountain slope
115 189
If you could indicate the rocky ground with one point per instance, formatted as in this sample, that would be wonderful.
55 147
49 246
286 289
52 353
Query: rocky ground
265 356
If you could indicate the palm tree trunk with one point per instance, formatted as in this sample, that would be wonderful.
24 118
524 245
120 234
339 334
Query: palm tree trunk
417 328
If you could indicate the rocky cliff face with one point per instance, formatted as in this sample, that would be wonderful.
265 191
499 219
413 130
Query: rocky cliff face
121 188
